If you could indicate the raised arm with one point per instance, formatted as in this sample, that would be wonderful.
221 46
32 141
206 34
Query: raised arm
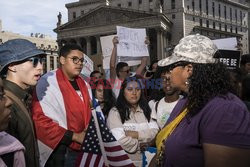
143 64
113 59
144 60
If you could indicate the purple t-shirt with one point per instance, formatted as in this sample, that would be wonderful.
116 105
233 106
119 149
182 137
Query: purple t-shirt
223 121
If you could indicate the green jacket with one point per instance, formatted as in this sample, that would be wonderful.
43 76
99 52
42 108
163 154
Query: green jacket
20 126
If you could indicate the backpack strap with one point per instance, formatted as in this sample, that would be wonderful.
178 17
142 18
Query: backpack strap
20 104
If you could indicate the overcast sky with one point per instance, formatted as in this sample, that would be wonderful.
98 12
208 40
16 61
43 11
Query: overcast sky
32 16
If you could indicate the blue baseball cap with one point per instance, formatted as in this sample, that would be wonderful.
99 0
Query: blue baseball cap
17 50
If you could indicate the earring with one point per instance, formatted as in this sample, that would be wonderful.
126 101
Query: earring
186 83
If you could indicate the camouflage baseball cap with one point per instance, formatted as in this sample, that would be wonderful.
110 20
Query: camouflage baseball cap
194 49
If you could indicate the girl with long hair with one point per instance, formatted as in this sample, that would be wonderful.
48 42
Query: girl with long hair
130 120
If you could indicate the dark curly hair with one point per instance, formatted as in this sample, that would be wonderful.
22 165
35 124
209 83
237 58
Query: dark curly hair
206 82
124 107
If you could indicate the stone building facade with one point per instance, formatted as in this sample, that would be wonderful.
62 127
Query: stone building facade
213 18
86 25
43 42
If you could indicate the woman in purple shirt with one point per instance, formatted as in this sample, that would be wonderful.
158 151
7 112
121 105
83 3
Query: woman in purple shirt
215 131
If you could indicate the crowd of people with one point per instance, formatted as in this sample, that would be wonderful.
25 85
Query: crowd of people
189 106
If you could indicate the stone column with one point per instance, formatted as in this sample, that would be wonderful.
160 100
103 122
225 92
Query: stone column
88 46
48 62
98 45
55 61
164 45
159 45
167 44
78 41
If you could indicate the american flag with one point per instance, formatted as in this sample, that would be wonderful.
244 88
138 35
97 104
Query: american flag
111 155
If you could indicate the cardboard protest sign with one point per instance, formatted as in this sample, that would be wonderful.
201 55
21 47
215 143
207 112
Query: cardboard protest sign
131 42
88 66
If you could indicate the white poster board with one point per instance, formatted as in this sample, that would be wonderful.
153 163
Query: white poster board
131 42
226 43
107 46
88 66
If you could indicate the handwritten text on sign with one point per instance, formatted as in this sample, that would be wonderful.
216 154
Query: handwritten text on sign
131 42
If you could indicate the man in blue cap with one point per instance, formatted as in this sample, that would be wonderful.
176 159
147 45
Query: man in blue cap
21 65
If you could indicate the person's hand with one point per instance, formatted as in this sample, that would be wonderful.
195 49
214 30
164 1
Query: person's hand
147 41
144 60
79 137
115 41
143 146
133 134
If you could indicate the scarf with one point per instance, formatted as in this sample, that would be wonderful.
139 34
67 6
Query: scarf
56 108
9 144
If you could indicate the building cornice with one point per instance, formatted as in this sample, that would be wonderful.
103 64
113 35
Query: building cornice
217 31
147 15
81 3
235 4
78 32
221 20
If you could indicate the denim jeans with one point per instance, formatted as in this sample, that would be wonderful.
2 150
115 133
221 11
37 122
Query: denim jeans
62 156
70 158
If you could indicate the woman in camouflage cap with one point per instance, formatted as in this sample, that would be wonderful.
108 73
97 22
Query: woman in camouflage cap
210 126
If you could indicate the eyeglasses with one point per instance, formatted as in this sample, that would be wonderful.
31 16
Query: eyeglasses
36 60
76 60
127 71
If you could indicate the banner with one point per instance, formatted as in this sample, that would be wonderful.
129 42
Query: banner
230 58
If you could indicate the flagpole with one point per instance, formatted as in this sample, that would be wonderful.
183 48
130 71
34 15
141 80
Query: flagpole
99 137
